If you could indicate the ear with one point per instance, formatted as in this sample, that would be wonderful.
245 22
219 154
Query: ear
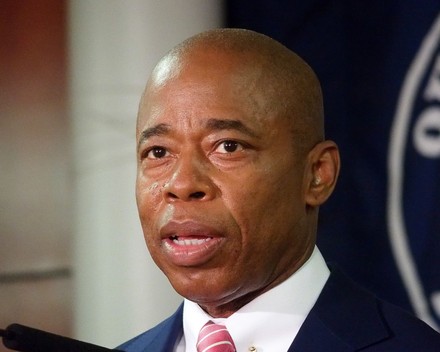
322 171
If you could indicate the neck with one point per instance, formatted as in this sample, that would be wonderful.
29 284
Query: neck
226 309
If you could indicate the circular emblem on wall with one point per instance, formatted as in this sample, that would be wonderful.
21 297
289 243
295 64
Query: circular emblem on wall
414 180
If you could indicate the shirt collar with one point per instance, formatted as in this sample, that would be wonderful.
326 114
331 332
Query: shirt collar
272 320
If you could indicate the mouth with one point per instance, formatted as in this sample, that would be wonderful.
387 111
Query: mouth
190 244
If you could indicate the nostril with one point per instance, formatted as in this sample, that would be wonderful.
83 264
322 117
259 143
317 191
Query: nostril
198 195
172 195
193 196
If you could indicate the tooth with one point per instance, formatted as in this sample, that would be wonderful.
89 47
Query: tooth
190 242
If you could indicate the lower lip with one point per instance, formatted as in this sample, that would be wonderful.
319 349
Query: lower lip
196 252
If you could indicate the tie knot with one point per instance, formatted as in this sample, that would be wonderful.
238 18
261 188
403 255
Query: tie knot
214 338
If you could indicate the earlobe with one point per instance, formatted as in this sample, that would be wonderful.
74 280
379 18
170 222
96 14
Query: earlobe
322 172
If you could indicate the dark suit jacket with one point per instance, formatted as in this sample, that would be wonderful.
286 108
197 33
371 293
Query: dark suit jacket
344 318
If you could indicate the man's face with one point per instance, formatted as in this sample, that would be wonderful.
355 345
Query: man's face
220 185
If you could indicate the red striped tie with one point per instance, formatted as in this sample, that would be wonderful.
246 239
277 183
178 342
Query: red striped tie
215 338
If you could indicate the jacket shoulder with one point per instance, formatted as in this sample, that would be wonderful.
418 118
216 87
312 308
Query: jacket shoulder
348 318
162 337
407 331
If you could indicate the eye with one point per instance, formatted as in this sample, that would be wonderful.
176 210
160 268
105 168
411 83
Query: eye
229 146
156 153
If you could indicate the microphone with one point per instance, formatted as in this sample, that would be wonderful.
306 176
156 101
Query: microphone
25 339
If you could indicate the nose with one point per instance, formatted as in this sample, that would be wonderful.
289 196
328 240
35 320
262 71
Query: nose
190 181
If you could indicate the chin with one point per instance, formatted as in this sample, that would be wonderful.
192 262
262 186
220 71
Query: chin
203 291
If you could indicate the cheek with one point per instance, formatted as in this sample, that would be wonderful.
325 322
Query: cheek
267 192
148 196
147 193
267 204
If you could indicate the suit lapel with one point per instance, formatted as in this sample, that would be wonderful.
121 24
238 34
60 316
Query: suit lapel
344 318
171 330
316 336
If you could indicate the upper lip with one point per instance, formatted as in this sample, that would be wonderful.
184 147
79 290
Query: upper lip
187 229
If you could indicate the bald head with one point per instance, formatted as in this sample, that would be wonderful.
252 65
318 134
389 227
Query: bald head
288 85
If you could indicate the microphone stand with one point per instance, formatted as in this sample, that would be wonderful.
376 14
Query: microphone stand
25 339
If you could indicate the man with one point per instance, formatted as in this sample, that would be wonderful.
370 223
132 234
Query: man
232 168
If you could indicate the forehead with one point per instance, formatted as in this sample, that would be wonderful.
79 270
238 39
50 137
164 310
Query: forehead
208 82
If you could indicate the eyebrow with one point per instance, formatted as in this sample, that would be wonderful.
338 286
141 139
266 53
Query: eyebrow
158 130
220 124
212 125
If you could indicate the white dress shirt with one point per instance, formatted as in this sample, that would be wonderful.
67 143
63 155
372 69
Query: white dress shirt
271 321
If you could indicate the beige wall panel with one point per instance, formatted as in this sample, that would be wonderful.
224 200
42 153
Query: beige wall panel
35 214
27 303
